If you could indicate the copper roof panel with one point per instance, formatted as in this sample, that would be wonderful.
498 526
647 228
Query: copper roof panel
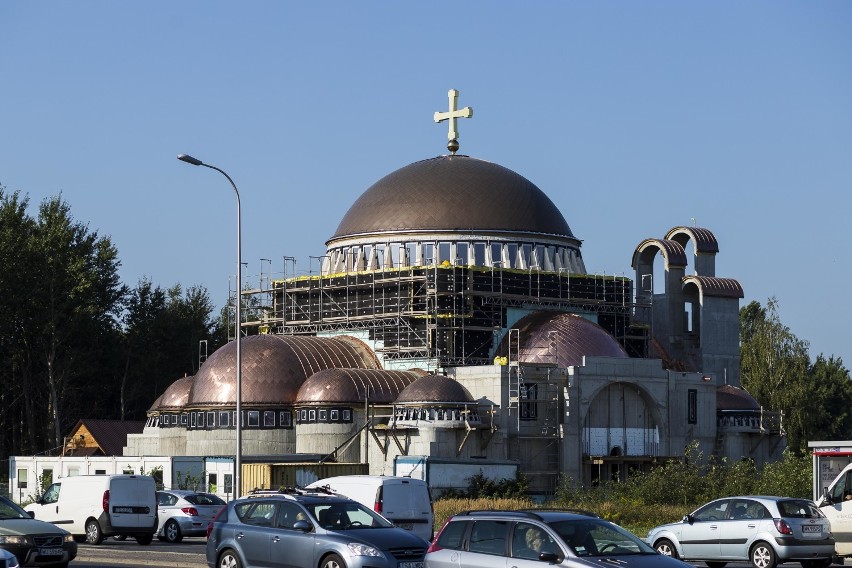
435 389
561 338
729 397
453 193
717 287
337 386
175 396
274 367
703 240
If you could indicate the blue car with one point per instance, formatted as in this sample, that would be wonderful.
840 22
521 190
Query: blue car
310 530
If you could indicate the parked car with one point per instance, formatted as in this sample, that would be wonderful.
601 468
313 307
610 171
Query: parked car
311 529
97 506
34 543
403 501
536 539
762 530
185 513
7 559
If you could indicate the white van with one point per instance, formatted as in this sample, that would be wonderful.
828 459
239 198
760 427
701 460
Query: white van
97 506
403 501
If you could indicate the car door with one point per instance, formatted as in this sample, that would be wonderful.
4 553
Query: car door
740 528
47 508
527 542
165 507
700 538
288 547
836 505
486 545
254 536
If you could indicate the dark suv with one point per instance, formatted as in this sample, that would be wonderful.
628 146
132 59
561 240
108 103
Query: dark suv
308 528
569 539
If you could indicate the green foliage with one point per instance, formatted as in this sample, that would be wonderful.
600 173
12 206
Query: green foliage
480 487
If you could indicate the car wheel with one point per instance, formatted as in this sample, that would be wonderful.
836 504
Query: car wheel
144 539
172 531
93 532
763 556
716 564
332 561
229 559
666 548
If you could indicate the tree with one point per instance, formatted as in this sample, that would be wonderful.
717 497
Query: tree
774 367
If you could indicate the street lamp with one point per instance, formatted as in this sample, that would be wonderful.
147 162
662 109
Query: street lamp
237 326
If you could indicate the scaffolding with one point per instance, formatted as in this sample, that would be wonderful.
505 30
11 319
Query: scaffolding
444 313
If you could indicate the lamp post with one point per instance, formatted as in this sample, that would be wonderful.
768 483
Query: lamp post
237 327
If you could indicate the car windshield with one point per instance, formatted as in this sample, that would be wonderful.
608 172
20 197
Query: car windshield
9 510
346 516
798 508
596 537
204 499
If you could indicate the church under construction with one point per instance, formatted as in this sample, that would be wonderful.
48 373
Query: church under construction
439 326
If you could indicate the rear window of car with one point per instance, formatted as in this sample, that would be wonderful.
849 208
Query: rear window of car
204 499
798 509
452 537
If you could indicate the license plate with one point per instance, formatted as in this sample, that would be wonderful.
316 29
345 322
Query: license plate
811 528
410 565
50 552
122 509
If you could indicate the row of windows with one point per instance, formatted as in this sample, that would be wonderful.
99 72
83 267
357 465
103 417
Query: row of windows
508 255
262 419
450 414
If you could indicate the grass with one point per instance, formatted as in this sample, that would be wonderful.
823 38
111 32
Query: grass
637 518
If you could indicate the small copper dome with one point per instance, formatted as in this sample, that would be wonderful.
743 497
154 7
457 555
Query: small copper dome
338 386
453 193
435 388
729 397
562 338
274 367
175 396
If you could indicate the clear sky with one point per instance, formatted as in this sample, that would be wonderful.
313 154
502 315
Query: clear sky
634 117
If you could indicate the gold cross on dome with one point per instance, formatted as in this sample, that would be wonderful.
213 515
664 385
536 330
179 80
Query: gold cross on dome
452 115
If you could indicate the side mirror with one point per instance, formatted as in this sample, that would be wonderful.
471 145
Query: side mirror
31 514
687 519
303 526
549 557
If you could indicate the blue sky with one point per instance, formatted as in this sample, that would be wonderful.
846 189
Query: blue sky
634 117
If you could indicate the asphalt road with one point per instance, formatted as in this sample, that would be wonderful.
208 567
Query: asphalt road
189 554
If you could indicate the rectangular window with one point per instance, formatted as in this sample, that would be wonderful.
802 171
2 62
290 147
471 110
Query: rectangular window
192 422
335 415
211 419
229 483
444 253
224 419
183 419
284 419
269 418
234 417
347 415
100 472
303 415
312 415
254 418
323 415
529 393
22 478
692 407
211 483
461 254
174 419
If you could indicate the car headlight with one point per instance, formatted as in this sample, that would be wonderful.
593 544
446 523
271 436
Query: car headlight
8 539
358 549
68 538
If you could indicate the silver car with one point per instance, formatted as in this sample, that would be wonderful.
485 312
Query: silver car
539 539
763 530
185 513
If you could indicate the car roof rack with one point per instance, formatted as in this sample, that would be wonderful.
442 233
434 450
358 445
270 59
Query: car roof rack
486 512
294 490
573 511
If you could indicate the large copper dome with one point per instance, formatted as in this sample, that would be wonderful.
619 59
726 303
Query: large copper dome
435 389
175 396
729 397
453 193
548 337
274 368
